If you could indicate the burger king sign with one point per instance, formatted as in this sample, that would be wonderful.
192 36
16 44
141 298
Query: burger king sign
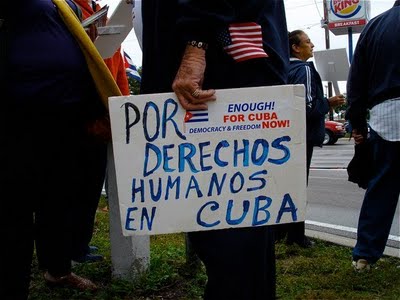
347 13
345 8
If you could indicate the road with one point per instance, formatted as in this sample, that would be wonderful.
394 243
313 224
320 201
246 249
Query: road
334 203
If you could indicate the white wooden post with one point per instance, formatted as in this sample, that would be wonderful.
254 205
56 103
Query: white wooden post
130 255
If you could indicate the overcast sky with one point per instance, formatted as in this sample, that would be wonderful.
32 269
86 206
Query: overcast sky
300 14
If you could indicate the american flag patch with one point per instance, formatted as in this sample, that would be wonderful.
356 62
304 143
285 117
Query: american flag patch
243 41
194 116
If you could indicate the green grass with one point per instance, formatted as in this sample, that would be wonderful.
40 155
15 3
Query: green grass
323 272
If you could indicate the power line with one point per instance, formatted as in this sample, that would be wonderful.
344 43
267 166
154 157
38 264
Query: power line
303 5
315 1
307 26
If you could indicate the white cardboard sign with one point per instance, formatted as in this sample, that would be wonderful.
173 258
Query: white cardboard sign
240 163
333 65
121 22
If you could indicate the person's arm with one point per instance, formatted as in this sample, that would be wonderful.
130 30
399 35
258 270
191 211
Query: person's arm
303 76
121 78
117 69
189 79
199 23
357 91
336 101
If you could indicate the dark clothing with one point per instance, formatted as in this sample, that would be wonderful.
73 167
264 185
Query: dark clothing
40 170
375 77
240 263
301 72
163 45
374 73
380 201
295 232
48 98
39 66
94 167
87 199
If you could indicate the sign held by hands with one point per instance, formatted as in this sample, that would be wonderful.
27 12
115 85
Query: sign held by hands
240 163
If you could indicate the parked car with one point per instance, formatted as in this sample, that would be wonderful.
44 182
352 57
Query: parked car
333 131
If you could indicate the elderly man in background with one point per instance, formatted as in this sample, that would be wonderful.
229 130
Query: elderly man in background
317 106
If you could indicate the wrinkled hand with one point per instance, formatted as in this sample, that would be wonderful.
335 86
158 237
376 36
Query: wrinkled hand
189 79
336 101
358 137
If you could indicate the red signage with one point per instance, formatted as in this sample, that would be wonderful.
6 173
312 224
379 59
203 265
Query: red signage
349 23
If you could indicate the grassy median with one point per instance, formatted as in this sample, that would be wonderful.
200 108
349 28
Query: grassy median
322 272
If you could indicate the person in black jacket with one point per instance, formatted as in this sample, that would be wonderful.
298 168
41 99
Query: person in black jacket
50 98
186 46
317 106
374 87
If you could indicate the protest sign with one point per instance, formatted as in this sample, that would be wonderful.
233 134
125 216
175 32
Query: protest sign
118 27
240 163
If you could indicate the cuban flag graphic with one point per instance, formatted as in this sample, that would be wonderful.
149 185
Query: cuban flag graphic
196 116
130 68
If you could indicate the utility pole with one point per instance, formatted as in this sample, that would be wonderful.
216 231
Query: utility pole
350 36
324 24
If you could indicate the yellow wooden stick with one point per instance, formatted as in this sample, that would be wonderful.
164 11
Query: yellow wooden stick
105 83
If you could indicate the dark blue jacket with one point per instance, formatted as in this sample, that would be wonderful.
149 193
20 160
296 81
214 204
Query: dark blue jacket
44 64
375 70
168 25
301 72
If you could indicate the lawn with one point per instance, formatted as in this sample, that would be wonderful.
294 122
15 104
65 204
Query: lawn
322 272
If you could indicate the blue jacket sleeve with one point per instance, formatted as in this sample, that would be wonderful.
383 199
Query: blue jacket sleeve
357 93
302 75
316 105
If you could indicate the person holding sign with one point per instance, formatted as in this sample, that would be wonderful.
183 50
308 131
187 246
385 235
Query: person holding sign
317 106
192 47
